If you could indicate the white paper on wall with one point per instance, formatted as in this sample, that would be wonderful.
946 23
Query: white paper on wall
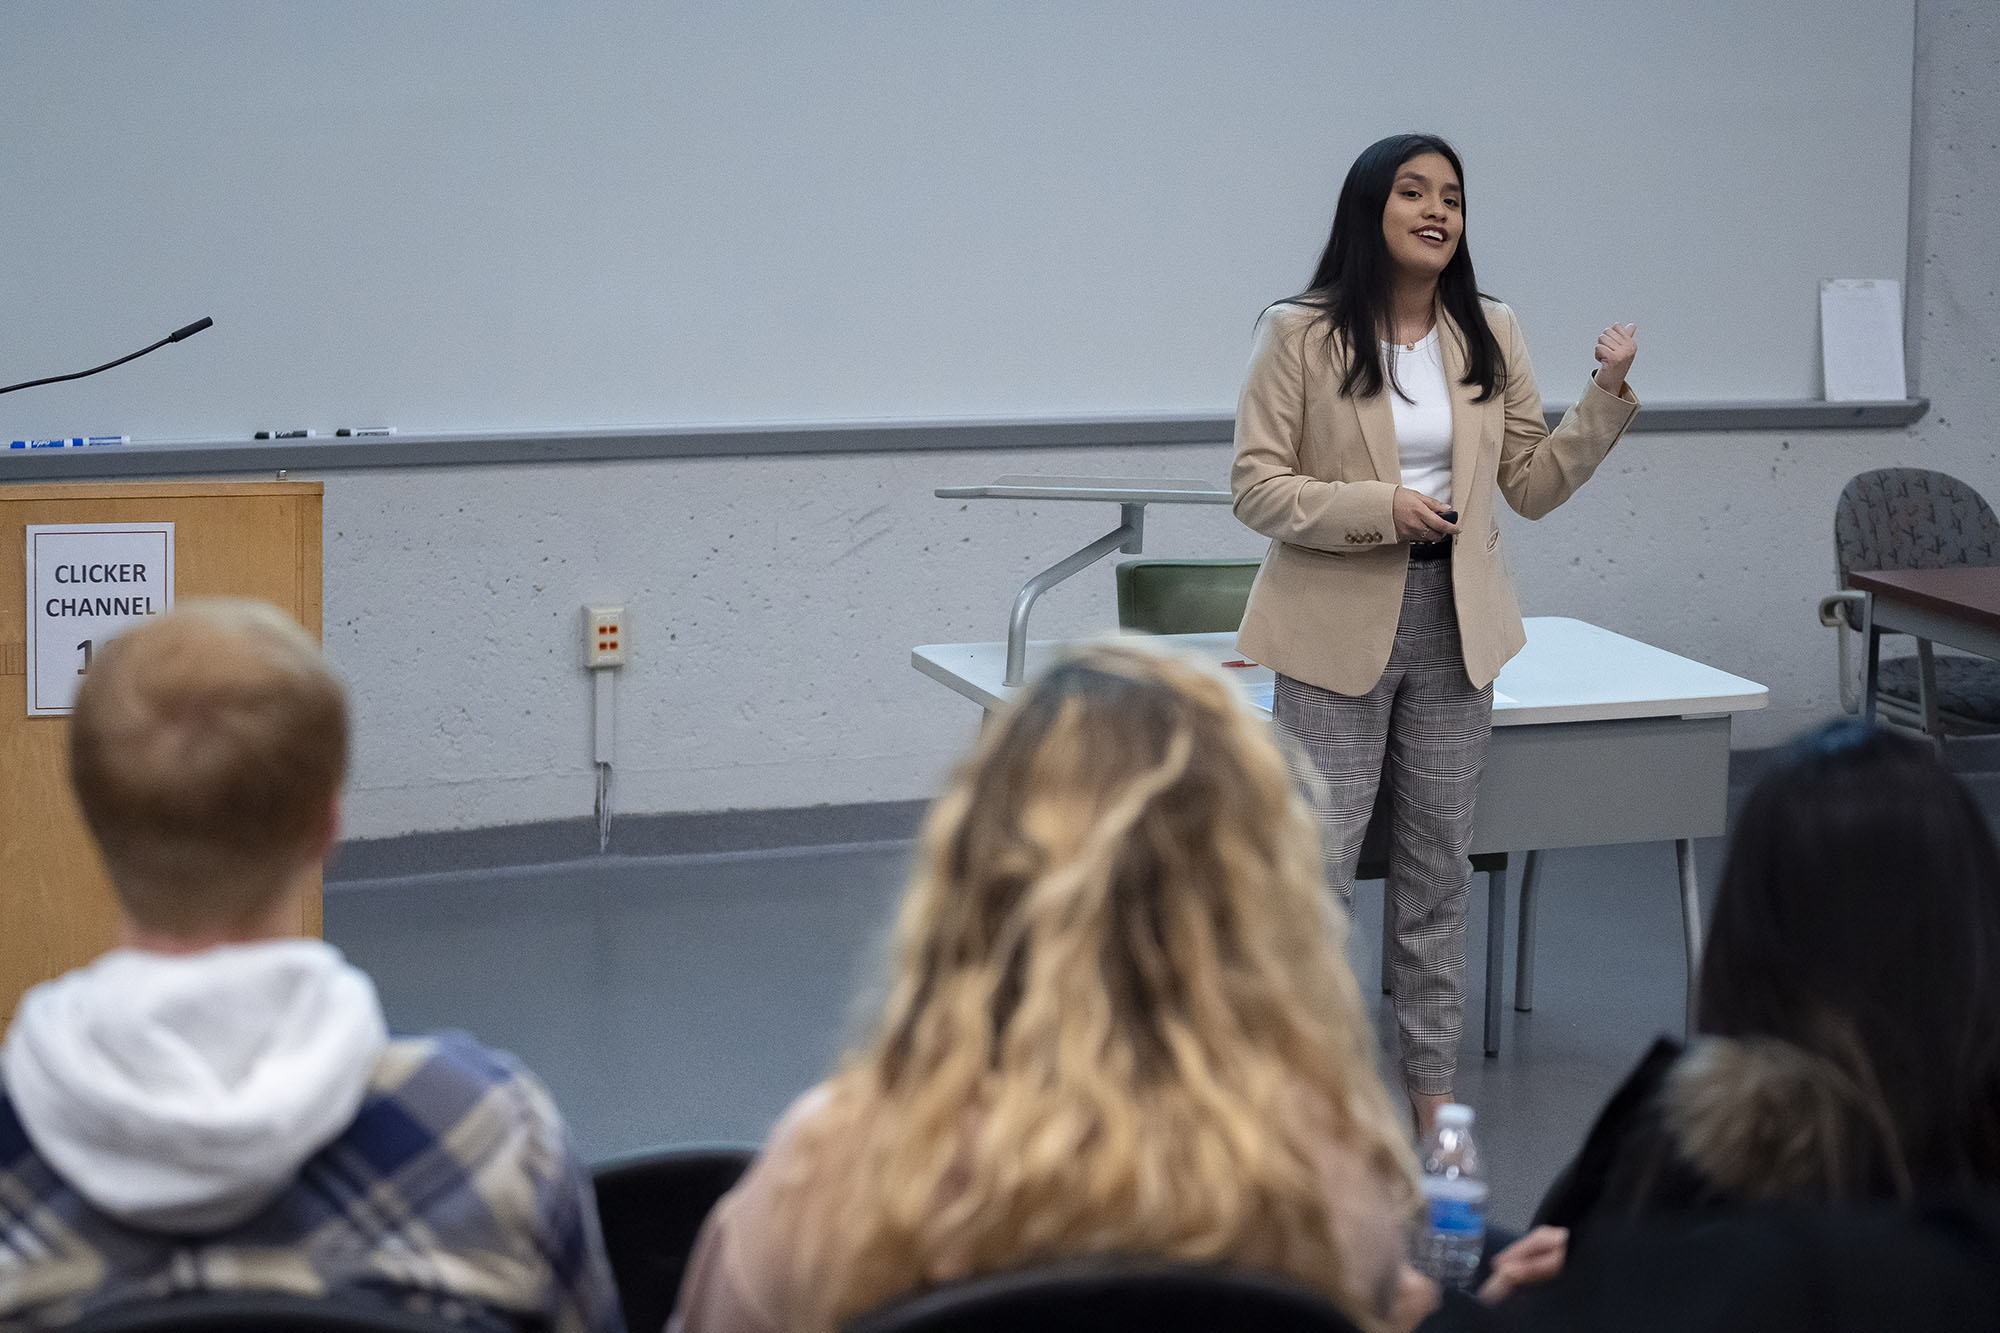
1861 339
87 581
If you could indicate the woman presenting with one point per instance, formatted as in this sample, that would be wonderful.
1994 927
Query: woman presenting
1384 408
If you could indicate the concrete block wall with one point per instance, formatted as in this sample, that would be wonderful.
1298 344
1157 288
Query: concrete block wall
774 601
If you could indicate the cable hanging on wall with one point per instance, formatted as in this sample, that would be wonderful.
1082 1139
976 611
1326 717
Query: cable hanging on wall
603 800
604 643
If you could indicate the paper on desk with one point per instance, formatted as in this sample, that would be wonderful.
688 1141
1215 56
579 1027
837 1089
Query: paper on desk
1861 339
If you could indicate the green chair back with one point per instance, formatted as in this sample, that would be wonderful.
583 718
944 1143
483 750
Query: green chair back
1184 596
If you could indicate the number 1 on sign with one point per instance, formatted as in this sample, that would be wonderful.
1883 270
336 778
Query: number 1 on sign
85 648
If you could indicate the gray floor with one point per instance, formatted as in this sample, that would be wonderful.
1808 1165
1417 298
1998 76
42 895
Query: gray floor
684 998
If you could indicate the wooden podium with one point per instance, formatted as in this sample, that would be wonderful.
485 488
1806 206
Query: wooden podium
249 539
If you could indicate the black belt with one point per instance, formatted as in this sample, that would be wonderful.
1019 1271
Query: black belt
1438 550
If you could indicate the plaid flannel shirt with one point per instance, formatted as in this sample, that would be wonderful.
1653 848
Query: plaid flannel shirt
453 1193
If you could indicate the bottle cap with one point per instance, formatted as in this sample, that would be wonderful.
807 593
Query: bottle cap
1456 1115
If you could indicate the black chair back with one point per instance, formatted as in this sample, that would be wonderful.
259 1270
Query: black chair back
242 1312
1093 1297
652 1205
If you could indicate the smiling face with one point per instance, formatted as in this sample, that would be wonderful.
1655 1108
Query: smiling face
1424 217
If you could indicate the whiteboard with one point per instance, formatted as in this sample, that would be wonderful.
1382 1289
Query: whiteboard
492 215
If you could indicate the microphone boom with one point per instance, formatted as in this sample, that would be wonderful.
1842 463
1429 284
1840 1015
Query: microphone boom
174 337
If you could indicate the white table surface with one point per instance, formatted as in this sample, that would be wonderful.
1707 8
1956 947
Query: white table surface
1570 671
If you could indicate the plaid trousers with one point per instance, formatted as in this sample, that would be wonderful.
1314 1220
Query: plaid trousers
1432 727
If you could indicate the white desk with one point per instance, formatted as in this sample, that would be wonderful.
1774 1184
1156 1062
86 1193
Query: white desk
1597 739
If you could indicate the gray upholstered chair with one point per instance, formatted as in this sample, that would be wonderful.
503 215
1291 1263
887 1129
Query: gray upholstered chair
1913 518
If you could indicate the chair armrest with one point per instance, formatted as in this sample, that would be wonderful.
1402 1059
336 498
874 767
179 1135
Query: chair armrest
1829 606
1830 615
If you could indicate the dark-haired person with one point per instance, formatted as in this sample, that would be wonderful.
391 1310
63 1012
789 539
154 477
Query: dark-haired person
1385 407
1849 1004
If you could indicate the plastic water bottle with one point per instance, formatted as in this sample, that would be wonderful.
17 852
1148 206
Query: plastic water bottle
1454 1201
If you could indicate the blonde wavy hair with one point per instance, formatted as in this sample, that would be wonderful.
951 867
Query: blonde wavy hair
1118 1018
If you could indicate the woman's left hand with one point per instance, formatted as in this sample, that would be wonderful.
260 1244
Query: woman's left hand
1616 347
1536 1257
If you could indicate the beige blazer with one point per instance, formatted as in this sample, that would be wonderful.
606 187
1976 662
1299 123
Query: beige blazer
1316 472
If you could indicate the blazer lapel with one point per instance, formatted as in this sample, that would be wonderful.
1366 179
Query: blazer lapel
1465 414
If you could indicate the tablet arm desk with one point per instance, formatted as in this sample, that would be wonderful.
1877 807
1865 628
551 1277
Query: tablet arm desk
1131 494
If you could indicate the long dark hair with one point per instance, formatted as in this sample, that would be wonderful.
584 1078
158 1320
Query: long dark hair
1859 919
1351 285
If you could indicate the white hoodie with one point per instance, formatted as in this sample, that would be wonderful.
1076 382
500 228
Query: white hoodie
181 1093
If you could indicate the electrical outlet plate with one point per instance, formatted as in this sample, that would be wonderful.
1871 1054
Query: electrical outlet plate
606 636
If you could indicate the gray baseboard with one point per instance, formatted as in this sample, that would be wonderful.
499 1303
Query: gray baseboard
685 834
726 831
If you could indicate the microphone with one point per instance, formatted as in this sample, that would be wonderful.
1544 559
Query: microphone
174 337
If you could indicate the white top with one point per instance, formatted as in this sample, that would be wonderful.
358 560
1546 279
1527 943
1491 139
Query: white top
1423 425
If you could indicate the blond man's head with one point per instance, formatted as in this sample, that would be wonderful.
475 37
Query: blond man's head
207 751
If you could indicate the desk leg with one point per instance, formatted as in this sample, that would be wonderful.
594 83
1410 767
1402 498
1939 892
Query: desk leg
1524 936
1873 638
1496 954
1927 694
1690 921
